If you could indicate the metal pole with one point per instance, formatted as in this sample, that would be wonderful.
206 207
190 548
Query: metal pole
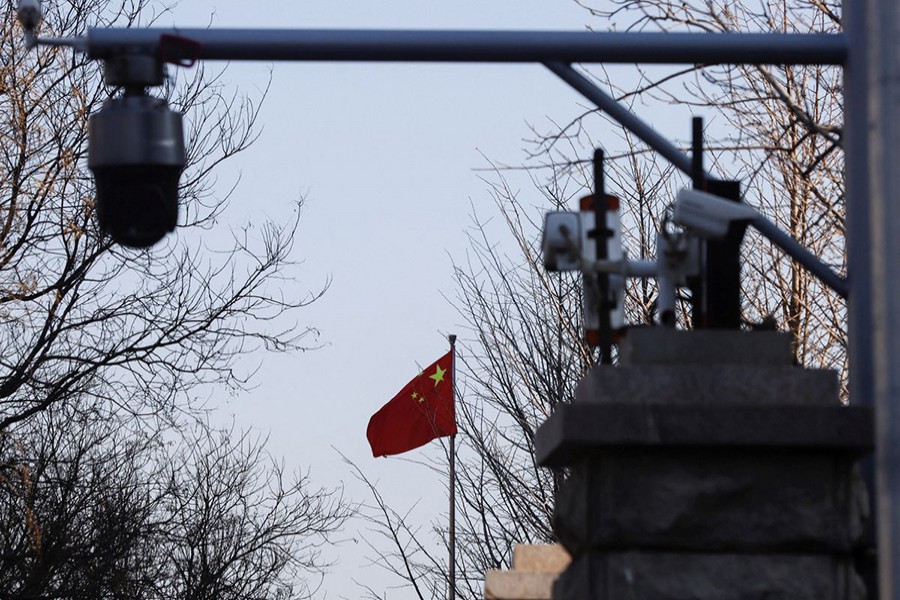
882 26
469 46
602 235
856 193
698 284
859 268
451 584
623 116
795 250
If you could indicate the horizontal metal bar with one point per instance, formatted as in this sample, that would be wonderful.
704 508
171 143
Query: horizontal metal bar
479 46
623 116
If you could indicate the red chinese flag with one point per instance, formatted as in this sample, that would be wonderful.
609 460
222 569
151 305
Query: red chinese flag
421 412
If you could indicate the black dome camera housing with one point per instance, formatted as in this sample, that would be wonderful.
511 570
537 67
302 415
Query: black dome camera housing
136 152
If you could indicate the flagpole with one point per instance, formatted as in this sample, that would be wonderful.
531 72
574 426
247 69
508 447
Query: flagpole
452 574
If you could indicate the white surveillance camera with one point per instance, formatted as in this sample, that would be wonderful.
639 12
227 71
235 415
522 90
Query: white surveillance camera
29 13
562 241
708 215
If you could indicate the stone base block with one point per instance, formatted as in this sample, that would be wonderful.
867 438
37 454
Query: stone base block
540 558
575 431
684 576
513 585
720 385
665 346
712 500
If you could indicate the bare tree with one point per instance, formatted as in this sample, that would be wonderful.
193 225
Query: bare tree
399 547
521 354
776 129
779 134
238 527
74 512
115 512
81 318
110 483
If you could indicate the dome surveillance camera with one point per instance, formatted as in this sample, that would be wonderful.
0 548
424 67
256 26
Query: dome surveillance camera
136 152
29 13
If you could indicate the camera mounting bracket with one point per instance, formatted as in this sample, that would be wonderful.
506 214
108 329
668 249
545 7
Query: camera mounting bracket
134 72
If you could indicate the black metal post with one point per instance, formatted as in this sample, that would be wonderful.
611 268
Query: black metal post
723 266
601 235
716 292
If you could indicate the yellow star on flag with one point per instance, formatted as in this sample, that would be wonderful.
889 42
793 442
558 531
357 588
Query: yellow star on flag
438 375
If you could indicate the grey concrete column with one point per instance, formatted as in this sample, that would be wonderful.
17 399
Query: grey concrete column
705 466
883 55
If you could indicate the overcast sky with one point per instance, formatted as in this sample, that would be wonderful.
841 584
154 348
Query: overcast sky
386 157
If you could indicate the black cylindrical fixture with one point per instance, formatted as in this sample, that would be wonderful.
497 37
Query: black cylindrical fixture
136 152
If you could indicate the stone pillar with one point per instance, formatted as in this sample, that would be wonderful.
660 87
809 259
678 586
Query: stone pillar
705 466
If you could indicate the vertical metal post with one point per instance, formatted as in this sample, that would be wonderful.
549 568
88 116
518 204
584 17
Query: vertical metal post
882 27
859 269
723 266
716 292
602 234
451 576
856 192
699 283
